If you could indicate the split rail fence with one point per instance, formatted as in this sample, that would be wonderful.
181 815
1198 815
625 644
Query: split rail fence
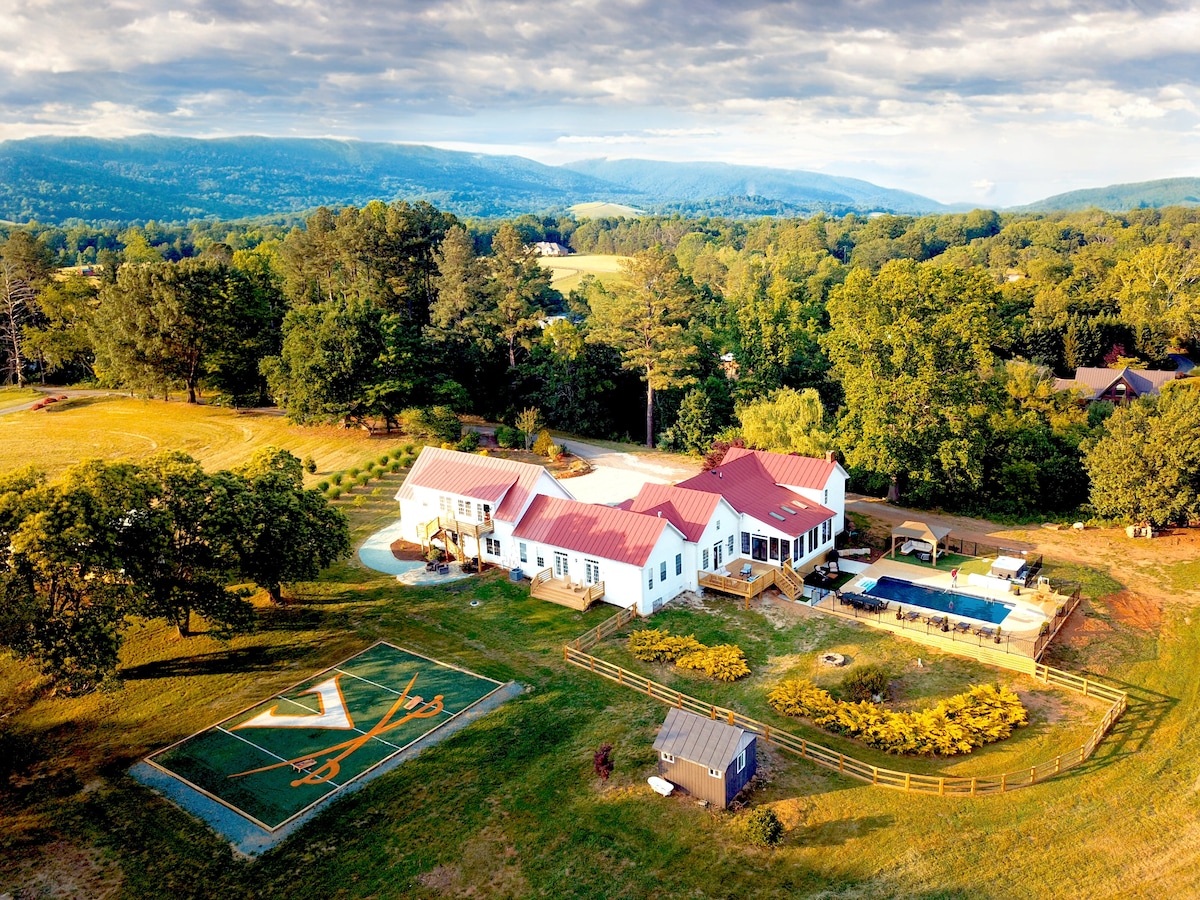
577 654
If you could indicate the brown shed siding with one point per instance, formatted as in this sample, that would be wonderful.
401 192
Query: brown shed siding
694 779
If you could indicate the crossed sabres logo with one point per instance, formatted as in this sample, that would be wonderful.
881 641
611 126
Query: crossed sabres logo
334 715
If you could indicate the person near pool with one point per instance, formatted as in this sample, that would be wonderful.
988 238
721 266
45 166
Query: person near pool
953 578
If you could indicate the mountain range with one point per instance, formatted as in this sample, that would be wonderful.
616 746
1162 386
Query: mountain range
172 179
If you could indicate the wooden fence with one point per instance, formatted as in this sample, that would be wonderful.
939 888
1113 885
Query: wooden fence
941 785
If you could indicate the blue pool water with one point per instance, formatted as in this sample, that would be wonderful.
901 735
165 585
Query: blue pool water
952 602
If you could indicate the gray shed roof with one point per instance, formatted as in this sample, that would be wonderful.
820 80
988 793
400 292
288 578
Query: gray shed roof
694 738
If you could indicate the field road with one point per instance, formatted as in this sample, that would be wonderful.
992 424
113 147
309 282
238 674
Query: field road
71 394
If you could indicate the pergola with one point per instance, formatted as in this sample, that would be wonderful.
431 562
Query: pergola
919 531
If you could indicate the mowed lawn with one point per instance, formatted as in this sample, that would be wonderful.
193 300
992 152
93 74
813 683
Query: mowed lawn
112 427
568 271
510 807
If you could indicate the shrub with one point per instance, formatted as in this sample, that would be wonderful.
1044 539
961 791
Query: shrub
762 827
724 662
407 461
354 471
469 442
959 724
310 465
363 478
334 493
556 452
410 449
338 477
543 443
440 422
385 459
396 465
359 501
657 645
865 683
378 492
509 438
322 485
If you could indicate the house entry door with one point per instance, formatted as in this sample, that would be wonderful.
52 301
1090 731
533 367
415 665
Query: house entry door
560 565
717 548
758 548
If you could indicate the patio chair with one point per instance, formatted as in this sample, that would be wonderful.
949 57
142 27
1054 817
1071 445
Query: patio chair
962 627
985 631
747 569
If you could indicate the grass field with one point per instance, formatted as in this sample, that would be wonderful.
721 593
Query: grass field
114 427
597 209
510 808
568 271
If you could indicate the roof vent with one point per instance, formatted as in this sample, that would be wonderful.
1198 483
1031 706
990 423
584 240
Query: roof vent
775 515
660 513
788 510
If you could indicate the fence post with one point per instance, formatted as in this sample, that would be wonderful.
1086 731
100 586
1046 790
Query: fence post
1004 782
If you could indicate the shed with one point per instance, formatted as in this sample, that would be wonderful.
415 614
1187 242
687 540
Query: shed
708 759
915 534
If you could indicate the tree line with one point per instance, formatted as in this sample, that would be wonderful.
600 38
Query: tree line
924 348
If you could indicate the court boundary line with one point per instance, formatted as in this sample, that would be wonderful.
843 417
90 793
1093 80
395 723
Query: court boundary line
499 685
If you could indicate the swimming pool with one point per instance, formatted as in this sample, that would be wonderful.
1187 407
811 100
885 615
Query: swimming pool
952 602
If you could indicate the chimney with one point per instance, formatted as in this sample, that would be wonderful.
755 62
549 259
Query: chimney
831 456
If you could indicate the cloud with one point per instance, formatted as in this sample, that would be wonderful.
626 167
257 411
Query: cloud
896 87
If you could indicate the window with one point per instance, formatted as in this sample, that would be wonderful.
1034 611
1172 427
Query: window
493 546
704 560
796 554
524 555
445 505
650 579
464 509
662 571
826 496
718 525
667 757
745 542
541 561
678 563
826 531
560 565
483 512
731 545
774 548
591 570
785 550
812 540
741 762
715 773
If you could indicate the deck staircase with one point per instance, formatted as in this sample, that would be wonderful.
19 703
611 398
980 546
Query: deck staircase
436 528
790 584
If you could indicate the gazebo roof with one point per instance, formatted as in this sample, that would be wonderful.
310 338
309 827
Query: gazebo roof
919 531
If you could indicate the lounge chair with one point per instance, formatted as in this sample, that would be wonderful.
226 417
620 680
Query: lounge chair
985 631
937 621
911 616
962 627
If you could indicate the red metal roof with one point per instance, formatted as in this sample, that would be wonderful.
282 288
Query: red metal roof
485 478
603 532
796 471
689 511
750 489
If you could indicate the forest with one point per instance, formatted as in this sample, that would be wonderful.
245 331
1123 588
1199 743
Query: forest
922 349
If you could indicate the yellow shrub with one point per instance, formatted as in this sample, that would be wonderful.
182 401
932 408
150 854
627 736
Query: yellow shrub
657 645
724 662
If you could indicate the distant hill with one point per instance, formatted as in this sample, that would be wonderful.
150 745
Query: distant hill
177 179
712 186
53 179
1123 197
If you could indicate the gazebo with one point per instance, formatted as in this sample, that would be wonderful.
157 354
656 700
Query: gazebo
917 533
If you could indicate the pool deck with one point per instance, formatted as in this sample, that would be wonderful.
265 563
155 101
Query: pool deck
1029 610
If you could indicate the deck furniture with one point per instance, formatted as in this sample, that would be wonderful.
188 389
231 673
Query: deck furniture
911 616
985 631
746 570
962 627
936 621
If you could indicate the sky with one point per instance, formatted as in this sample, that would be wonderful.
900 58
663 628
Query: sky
989 103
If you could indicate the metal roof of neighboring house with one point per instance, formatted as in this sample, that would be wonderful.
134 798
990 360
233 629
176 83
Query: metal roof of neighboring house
751 490
486 478
689 511
784 468
603 532
1094 381
697 739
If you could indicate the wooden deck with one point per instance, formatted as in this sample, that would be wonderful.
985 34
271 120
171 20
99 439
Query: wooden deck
762 576
444 525
561 591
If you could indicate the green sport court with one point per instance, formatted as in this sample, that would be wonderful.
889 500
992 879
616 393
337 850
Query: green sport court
280 759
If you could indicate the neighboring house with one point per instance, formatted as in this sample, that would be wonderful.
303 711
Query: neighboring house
639 558
550 248
1117 385
475 501
761 506
708 759
789 507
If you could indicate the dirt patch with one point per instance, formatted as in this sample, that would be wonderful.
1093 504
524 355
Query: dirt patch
1133 609
62 870
1046 706
407 551
488 867
1081 630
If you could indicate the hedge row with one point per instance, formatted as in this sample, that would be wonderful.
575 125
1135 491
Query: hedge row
725 662
984 714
